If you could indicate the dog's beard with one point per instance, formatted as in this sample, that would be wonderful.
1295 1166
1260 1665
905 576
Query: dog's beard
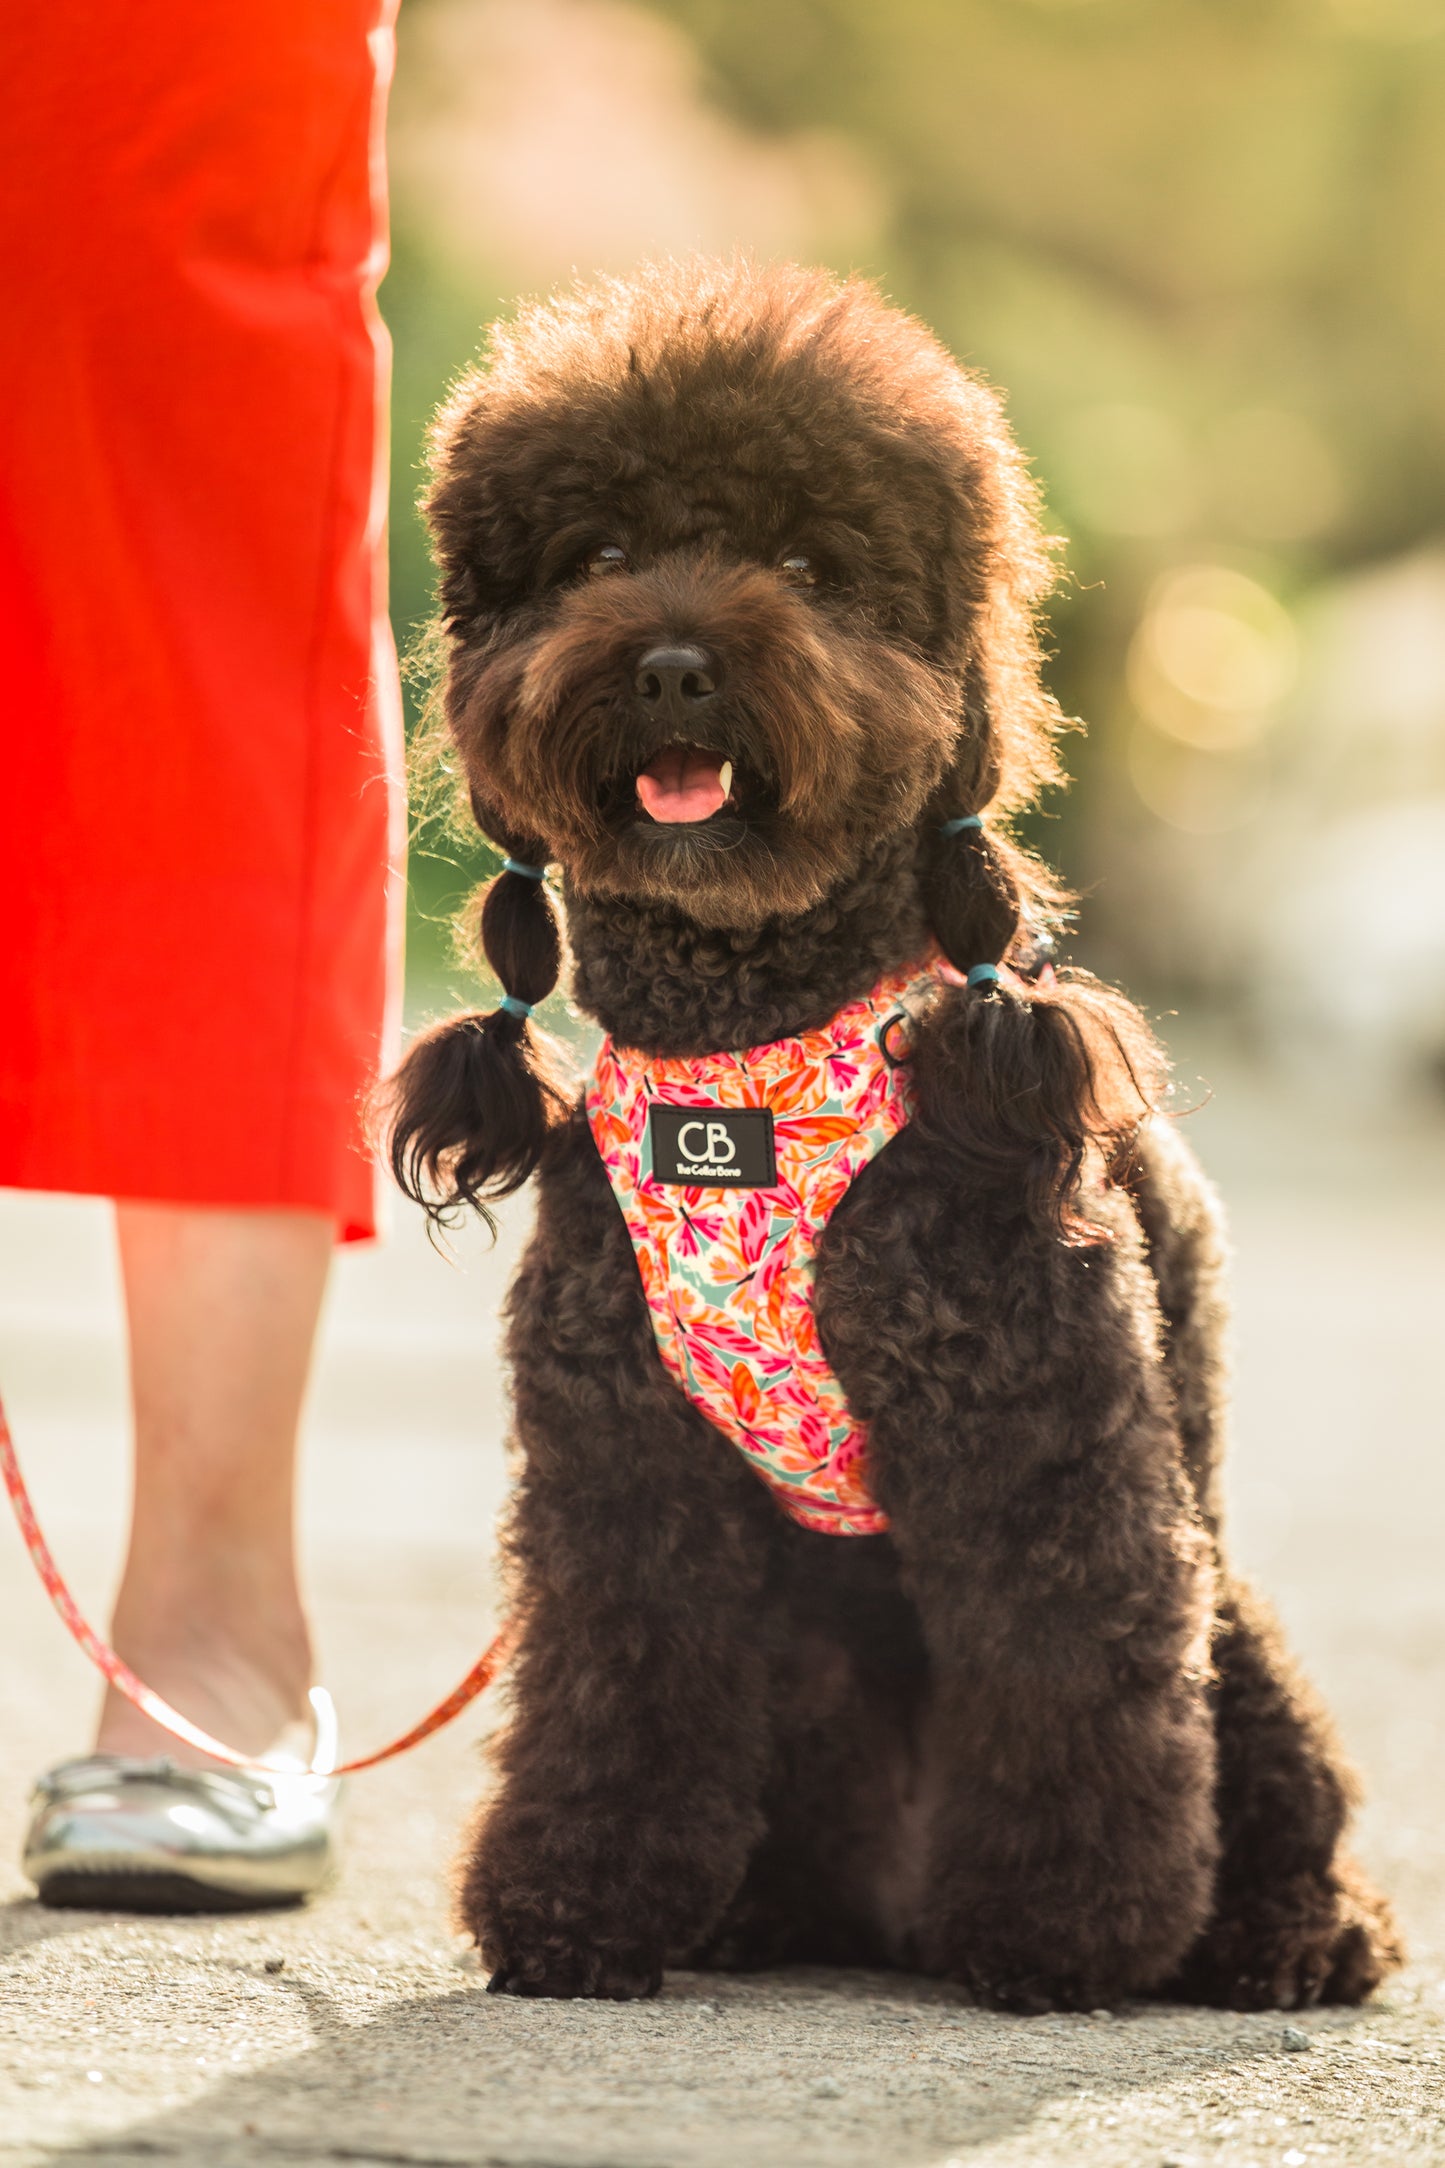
831 736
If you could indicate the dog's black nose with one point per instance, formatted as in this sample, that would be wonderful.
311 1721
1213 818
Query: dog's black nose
672 681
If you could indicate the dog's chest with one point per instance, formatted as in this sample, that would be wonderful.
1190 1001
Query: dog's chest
727 1170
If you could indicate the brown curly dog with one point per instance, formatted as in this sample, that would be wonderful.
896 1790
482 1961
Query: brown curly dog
738 582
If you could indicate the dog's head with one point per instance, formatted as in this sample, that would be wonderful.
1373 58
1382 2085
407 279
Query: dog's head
738 570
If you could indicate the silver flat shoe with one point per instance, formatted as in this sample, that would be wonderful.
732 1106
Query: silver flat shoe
115 1833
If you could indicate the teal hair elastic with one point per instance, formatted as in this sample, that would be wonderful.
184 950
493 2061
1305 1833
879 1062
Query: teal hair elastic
514 1007
956 827
529 873
983 975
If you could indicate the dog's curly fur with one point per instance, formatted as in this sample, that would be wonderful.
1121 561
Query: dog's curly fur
1036 1739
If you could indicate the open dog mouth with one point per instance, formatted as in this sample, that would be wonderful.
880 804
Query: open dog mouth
683 783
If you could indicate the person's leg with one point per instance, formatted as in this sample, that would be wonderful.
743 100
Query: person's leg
223 1308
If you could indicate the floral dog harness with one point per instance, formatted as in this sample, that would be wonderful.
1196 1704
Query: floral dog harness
727 1168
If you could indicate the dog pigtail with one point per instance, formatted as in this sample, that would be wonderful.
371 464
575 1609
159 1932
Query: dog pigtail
475 1097
1027 1079
972 902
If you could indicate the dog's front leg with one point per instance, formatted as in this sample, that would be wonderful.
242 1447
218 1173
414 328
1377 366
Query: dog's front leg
631 1772
1025 1449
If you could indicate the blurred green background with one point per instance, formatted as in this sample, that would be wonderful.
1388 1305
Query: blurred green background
1201 248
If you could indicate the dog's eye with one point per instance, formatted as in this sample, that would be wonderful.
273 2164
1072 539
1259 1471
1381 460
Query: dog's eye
798 570
610 558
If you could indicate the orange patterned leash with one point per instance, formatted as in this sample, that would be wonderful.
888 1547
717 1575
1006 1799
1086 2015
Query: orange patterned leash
145 1698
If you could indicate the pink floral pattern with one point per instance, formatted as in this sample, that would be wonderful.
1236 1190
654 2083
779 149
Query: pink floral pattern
729 1272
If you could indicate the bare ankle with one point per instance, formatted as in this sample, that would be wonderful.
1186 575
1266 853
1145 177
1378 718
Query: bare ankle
243 1679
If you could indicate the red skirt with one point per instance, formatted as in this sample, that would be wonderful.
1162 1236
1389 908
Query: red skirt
200 787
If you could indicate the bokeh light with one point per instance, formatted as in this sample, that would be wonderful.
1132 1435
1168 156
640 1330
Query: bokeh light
1214 656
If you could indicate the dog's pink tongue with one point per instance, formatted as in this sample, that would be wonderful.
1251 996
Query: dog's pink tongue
682 784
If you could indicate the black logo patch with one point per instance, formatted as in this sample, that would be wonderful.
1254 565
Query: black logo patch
714 1147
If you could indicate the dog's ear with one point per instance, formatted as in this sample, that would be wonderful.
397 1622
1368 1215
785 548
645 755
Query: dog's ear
470 1108
1024 1081
973 905
1020 1076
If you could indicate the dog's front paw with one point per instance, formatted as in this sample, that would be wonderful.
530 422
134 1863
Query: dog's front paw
564 1969
1315 1940
1027 1994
